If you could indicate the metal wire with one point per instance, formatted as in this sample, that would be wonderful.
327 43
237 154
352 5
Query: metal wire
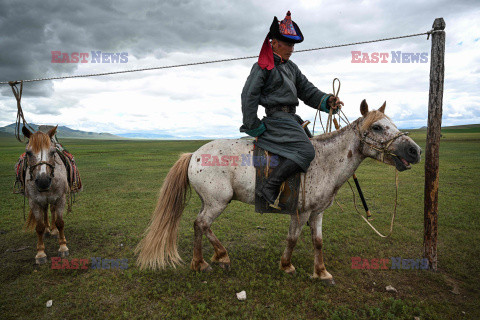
216 61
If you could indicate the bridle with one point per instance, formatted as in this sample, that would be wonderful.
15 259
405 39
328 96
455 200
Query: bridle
383 145
31 168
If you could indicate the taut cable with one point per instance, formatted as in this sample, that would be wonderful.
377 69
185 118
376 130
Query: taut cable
220 60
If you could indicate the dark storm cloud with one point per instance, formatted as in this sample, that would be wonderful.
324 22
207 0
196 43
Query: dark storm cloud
29 32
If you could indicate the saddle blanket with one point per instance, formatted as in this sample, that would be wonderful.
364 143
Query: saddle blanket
263 168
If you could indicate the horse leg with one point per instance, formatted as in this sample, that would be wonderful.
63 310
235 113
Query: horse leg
201 226
57 212
50 228
198 263
319 270
221 255
296 225
53 227
39 213
45 221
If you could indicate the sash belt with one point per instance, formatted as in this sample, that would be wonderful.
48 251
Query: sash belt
271 110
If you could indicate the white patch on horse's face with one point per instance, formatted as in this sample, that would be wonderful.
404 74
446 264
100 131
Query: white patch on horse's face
384 129
43 156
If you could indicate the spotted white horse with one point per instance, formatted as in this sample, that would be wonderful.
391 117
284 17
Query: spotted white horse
338 155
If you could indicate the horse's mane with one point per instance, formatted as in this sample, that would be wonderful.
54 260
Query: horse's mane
330 135
372 116
38 141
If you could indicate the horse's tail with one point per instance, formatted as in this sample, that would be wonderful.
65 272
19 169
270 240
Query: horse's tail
31 222
159 244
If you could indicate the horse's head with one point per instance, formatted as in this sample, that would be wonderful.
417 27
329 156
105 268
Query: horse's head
381 140
40 153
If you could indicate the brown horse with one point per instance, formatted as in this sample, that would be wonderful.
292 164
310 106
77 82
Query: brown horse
46 185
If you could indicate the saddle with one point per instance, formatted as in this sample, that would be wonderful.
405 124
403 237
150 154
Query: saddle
20 172
265 162
73 175
291 187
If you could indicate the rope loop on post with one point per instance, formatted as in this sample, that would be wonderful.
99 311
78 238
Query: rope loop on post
20 117
432 32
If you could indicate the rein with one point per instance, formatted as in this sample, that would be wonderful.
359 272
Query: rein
393 214
331 119
383 148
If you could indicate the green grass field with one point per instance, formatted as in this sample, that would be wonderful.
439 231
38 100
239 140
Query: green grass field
121 181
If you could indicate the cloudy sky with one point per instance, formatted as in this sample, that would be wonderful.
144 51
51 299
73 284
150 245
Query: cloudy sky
205 100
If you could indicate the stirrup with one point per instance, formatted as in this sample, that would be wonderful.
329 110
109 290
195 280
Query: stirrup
276 205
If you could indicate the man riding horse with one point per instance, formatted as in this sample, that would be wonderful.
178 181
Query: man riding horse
276 83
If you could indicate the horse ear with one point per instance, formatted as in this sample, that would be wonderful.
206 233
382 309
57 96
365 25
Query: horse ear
52 132
26 132
364 108
382 108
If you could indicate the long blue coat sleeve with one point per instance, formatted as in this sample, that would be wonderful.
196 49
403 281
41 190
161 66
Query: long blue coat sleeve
309 94
250 101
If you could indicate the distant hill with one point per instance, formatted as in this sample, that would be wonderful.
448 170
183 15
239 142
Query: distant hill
467 128
5 134
64 132
147 135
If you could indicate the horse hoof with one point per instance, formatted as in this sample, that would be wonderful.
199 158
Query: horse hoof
290 269
63 254
224 266
41 260
328 282
208 268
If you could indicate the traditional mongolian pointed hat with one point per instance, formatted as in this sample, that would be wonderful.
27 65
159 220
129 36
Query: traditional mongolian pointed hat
286 30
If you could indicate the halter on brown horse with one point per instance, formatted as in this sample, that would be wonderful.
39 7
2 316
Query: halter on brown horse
46 185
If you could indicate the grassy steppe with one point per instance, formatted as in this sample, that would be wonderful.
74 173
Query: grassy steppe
121 182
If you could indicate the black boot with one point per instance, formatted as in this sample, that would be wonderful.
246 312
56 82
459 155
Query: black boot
271 187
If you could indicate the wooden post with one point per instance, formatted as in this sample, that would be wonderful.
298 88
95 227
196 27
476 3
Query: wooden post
437 70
